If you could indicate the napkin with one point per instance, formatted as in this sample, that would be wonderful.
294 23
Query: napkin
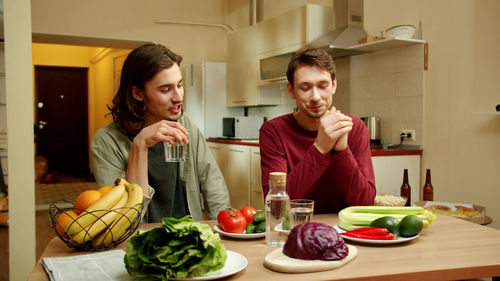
107 265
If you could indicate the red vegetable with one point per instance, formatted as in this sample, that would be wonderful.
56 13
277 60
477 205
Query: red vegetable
386 236
248 213
315 241
231 220
369 230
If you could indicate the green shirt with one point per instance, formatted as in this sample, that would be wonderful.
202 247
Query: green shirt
200 175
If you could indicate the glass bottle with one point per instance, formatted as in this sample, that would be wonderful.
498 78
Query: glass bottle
428 188
405 188
277 204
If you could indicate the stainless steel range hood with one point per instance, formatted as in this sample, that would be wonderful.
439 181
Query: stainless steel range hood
347 29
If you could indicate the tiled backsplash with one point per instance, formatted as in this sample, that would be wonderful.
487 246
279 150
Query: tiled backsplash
388 84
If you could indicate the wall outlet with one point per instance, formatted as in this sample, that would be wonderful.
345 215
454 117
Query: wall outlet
408 131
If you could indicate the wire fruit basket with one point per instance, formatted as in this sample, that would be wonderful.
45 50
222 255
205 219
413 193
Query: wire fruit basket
131 215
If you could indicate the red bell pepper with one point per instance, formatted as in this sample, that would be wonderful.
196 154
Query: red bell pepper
385 236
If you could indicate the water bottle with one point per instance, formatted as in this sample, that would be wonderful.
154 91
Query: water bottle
277 204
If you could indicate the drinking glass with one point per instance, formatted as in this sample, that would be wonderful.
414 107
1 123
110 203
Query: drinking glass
301 211
175 153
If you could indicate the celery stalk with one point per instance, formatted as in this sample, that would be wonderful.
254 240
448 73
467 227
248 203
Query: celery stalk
358 216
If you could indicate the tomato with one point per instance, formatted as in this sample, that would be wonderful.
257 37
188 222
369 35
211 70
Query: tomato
248 213
231 220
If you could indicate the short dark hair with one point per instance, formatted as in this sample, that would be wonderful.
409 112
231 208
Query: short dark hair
140 66
310 57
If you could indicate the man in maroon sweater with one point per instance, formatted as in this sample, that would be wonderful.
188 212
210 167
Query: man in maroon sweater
325 153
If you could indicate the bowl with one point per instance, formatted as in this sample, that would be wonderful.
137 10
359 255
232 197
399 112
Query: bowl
389 200
59 207
400 31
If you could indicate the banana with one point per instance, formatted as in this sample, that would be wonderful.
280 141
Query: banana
96 210
120 225
99 225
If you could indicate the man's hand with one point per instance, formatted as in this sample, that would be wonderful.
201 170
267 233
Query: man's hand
164 130
332 132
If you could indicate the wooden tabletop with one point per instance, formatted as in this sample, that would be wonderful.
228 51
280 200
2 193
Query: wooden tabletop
450 249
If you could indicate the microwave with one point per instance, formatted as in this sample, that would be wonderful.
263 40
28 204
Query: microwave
242 127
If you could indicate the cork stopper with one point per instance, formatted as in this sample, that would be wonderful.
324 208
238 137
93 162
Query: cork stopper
275 176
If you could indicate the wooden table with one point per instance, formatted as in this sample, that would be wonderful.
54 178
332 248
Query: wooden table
450 249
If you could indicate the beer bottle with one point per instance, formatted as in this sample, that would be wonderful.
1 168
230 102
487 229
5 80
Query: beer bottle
428 188
406 189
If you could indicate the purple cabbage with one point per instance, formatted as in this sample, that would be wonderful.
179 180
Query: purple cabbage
315 241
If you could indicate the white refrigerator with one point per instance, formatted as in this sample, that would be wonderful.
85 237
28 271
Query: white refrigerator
205 97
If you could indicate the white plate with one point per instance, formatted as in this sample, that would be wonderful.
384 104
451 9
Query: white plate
234 263
243 235
370 241
280 229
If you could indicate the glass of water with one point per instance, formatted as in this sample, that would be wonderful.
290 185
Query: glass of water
175 153
301 211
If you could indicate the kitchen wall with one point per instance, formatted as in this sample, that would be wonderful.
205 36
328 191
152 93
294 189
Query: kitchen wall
387 84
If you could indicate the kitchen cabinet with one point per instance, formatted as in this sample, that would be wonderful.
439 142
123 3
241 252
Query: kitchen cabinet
242 68
237 174
256 195
389 174
240 166
293 30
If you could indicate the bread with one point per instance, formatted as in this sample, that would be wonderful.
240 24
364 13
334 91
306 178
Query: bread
460 212
464 212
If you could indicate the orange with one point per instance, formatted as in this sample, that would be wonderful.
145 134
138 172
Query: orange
86 199
63 220
103 190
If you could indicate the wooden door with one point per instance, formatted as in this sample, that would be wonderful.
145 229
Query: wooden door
62 118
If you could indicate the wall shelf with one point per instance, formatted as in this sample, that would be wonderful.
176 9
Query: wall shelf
384 44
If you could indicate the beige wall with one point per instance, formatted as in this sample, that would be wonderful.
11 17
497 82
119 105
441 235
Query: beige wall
461 147
133 20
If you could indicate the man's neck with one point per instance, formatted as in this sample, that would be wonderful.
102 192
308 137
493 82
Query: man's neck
306 122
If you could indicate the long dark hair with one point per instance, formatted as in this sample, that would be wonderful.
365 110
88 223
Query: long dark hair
310 57
140 66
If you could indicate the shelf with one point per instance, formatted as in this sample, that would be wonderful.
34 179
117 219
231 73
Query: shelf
388 43
374 46
488 113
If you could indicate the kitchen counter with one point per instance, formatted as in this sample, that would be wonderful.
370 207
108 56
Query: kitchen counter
449 249
375 151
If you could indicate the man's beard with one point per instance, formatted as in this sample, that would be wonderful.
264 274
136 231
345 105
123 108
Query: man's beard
176 119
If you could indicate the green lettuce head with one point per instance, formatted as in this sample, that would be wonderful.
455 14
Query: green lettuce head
179 248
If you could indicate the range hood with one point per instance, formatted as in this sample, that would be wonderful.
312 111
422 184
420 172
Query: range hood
347 29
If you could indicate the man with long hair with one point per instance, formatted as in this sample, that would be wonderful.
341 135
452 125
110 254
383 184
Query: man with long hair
147 111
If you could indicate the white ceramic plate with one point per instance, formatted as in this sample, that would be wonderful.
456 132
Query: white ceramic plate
370 241
243 235
280 229
234 263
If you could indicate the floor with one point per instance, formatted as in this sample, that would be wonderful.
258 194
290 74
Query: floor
44 195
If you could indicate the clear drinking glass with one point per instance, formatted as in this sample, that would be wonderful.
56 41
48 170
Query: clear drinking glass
301 211
175 153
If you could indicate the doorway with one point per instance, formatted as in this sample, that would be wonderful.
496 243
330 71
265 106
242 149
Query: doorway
61 114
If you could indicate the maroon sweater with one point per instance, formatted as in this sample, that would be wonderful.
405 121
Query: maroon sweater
333 181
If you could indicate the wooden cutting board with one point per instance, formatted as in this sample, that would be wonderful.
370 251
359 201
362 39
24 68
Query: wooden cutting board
278 261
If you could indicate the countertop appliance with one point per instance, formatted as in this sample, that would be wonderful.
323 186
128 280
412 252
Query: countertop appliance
242 127
373 125
205 97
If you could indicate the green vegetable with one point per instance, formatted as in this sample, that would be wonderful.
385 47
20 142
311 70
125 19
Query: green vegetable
179 248
259 217
285 225
410 226
358 216
250 228
388 222
261 227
